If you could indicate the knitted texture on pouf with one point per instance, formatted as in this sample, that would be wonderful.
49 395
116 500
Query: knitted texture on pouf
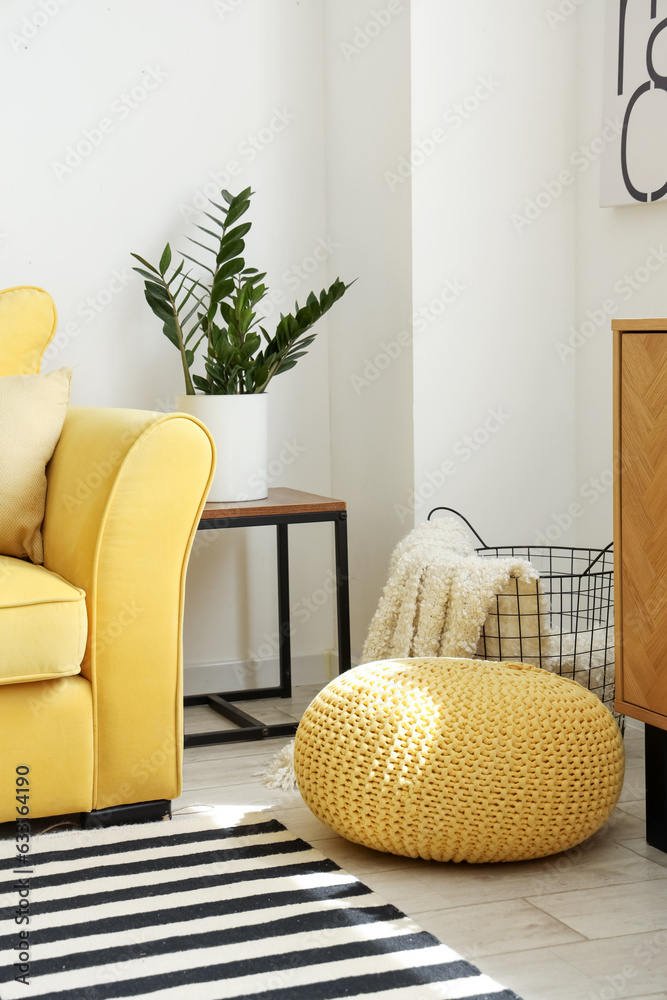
459 760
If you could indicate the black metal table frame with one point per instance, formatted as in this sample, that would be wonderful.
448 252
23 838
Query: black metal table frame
655 745
250 728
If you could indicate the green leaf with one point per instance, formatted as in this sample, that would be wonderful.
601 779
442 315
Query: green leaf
158 289
176 272
237 208
218 222
229 250
159 305
194 349
216 236
202 245
227 312
196 326
145 263
238 232
249 347
144 274
245 319
223 208
228 269
199 263
221 289
165 259
244 195
170 334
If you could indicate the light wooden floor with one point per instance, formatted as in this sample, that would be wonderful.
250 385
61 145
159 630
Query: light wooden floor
590 924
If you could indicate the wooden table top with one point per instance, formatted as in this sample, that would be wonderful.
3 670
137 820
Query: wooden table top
652 325
280 500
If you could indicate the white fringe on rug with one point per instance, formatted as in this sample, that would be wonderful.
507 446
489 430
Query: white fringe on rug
279 772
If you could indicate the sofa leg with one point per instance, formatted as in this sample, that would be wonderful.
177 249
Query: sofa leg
135 812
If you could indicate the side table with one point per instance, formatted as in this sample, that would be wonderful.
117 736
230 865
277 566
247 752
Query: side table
282 507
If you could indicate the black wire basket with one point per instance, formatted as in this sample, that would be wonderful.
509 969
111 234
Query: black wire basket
563 622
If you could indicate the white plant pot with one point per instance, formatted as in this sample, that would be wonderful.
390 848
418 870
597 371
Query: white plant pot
239 426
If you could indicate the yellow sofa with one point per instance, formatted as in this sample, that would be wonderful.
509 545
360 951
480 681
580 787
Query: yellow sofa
125 491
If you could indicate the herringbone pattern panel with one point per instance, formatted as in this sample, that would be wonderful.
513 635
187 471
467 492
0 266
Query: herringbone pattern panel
643 511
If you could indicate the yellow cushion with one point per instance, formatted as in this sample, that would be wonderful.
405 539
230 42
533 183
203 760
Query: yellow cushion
42 623
27 323
459 760
32 411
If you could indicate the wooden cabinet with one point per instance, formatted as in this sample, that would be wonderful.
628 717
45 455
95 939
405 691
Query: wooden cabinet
640 546
640 519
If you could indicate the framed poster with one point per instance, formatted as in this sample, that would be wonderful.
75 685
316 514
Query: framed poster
634 169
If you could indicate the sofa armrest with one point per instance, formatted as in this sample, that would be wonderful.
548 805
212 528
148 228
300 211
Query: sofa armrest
125 490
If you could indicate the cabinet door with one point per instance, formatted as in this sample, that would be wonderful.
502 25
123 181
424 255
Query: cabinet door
641 524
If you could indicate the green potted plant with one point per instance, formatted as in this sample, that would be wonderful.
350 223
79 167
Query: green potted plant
215 305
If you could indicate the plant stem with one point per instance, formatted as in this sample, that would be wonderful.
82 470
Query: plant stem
189 387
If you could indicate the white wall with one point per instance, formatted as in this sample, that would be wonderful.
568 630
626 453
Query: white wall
531 332
493 118
612 244
222 74
367 49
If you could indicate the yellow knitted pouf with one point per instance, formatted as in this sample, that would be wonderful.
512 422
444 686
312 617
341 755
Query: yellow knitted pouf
459 760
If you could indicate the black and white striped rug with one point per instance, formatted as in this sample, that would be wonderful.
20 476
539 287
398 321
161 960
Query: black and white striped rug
192 910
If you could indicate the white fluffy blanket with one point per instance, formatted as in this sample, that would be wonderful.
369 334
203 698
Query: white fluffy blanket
439 594
440 600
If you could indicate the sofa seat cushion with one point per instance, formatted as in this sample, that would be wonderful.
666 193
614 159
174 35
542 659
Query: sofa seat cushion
43 623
